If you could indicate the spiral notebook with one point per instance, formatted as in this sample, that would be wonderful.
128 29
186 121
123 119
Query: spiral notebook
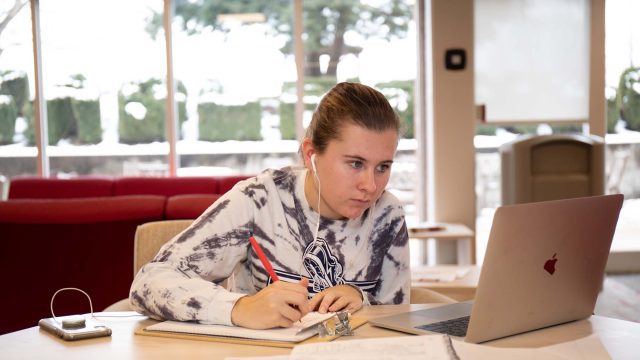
302 331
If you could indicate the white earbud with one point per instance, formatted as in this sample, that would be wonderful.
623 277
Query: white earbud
313 163
315 175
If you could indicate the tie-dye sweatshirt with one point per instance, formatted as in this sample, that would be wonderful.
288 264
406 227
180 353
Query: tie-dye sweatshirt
182 281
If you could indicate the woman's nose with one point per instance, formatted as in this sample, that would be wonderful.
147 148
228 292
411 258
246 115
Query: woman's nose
367 181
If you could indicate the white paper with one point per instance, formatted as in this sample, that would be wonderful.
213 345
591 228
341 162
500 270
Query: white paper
434 347
425 347
488 352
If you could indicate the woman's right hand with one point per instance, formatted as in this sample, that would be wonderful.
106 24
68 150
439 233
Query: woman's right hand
278 305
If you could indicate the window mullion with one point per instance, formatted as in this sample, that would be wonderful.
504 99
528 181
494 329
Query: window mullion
40 115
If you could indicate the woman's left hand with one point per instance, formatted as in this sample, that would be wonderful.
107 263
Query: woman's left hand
337 298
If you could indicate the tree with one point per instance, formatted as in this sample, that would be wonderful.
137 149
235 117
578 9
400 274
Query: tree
7 15
325 23
628 97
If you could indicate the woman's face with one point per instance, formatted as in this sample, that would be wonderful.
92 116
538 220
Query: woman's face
353 171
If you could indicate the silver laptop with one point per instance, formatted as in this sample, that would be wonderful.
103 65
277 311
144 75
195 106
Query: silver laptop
544 265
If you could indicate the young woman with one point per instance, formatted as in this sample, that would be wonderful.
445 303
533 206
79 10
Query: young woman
330 230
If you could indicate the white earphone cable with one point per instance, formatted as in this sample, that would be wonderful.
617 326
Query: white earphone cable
64 289
315 235
102 315
315 173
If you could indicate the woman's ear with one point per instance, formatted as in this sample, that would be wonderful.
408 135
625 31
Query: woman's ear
307 152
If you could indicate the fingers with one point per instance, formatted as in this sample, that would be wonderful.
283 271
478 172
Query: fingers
326 302
336 298
323 301
300 287
279 304
290 315
295 294
295 303
304 282
314 303
282 304
298 301
339 304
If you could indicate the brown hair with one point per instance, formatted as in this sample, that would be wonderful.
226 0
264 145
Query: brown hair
350 103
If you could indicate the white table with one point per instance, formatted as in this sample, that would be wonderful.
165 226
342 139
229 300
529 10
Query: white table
464 237
618 337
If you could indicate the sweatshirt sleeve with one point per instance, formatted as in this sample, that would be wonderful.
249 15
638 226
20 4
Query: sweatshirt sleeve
395 273
182 282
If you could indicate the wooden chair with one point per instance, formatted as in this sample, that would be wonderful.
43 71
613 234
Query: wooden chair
148 240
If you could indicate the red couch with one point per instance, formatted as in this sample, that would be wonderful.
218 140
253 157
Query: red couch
79 233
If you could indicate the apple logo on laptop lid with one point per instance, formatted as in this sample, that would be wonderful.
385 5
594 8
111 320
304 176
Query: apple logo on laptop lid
550 265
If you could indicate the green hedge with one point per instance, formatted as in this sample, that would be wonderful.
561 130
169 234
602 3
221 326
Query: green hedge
73 119
68 118
153 126
16 87
229 122
148 129
287 119
488 130
8 114
628 98
61 122
29 133
87 115
612 115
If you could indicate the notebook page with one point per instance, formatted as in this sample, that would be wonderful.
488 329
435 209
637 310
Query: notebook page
424 347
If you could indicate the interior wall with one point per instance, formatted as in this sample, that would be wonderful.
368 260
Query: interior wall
452 117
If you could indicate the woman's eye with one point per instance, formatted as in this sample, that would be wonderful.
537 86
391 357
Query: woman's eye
382 168
356 164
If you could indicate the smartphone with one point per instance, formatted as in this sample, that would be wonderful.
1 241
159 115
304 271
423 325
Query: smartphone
92 329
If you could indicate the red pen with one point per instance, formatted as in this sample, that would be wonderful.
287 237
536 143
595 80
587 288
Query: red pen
263 258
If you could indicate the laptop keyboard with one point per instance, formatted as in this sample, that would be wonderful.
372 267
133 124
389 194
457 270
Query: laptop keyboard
453 327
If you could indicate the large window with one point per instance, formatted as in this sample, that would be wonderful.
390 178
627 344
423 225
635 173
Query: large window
622 76
237 69
103 82
17 153
370 42
231 63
